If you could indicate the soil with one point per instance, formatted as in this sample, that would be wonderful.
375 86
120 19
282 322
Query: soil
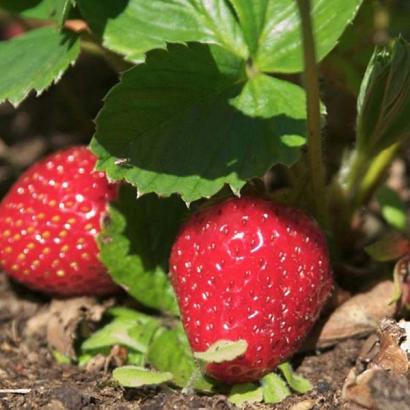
27 363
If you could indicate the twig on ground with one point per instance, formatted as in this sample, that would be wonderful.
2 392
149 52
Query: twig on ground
15 391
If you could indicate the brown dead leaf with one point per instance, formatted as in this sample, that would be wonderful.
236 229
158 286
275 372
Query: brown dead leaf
96 364
60 321
356 388
377 389
391 356
357 317
37 324
381 357
397 178
116 358
12 305
65 317
303 405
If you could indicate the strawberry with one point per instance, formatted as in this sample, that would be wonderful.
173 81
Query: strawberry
10 30
250 269
49 222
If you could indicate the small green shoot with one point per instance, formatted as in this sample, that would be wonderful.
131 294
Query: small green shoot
245 393
134 376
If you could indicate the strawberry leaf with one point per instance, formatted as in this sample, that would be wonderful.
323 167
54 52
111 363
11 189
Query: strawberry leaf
140 25
54 53
170 352
60 358
391 246
152 118
223 351
62 10
126 313
274 388
383 103
134 376
264 96
245 393
33 9
265 30
296 382
40 9
271 29
393 208
135 358
135 334
135 244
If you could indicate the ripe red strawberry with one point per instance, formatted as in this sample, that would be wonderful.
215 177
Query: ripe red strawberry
250 269
10 30
48 225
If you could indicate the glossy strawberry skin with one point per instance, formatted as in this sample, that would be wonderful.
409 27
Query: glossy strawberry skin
49 221
250 269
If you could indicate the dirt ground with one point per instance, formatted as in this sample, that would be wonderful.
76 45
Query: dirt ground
26 363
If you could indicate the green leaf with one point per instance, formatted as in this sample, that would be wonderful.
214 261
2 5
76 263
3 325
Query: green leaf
272 30
126 313
268 30
172 118
40 9
34 9
391 246
393 209
252 17
384 100
133 27
264 96
135 246
135 358
62 10
60 358
54 53
84 358
274 388
245 393
135 334
296 382
133 376
170 352
223 351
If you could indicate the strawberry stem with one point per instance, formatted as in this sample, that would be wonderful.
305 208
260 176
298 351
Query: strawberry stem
314 149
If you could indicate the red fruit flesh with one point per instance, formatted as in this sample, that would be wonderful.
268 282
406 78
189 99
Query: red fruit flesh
49 221
250 269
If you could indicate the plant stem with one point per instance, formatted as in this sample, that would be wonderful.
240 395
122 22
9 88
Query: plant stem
362 173
314 148
90 46
352 171
358 179
375 172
